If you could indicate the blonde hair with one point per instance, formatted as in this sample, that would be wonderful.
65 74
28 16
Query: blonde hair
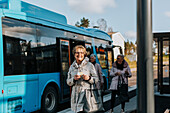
81 47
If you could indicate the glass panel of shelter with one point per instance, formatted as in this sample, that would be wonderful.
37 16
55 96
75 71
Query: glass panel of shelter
164 81
165 64
162 45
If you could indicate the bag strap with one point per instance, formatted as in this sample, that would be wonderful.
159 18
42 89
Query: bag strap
97 71
91 88
123 81
91 91
119 80
94 90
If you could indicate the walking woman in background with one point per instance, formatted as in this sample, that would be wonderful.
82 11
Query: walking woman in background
119 69
97 66
81 76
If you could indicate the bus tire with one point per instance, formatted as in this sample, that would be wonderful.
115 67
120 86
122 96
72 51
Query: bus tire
49 101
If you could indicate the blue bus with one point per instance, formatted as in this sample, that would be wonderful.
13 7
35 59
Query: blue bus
35 55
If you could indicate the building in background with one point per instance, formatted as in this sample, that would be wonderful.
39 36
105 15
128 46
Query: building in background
118 40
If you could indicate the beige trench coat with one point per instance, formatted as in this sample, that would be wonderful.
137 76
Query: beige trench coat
80 89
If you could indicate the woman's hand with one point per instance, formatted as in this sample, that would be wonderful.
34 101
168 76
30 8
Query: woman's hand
86 77
118 73
77 77
126 72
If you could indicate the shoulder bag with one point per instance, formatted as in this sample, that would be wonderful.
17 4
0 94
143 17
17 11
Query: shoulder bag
93 100
123 90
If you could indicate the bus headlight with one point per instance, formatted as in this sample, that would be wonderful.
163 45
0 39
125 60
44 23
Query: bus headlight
14 104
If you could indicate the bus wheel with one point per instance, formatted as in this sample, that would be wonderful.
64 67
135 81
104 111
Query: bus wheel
49 100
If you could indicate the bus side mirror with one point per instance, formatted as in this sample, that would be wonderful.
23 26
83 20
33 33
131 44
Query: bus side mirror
121 52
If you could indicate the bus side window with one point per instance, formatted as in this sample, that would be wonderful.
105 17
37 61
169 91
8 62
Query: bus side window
18 58
101 54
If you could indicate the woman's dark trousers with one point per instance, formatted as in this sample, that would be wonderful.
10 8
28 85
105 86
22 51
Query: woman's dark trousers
113 97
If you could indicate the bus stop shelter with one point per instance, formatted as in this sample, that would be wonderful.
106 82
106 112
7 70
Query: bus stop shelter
162 47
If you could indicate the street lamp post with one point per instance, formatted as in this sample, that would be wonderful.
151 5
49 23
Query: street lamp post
145 87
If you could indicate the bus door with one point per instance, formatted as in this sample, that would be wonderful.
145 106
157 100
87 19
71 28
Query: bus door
73 43
110 61
110 57
102 57
65 64
88 49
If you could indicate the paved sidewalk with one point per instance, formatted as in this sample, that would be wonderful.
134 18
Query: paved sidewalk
129 106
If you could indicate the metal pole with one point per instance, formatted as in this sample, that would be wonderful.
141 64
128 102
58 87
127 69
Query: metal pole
145 87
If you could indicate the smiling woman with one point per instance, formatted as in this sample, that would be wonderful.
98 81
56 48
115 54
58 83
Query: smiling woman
81 76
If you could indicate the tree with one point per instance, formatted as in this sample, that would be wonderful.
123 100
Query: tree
129 46
133 47
84 23
77 24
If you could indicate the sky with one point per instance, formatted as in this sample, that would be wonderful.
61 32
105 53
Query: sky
120 15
